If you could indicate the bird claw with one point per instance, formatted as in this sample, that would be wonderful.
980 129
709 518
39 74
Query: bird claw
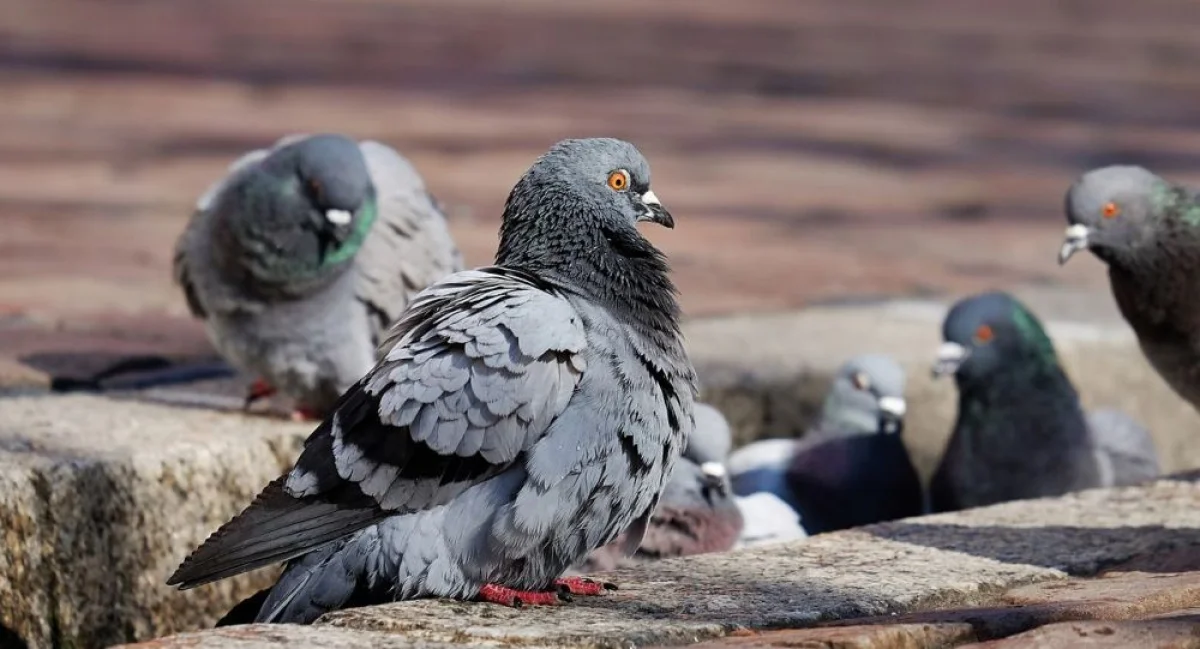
583 586
506 596
260 389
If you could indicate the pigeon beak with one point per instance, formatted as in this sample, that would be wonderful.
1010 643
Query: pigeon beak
949 357
654 212
1075 239
338 217
893 406
714 476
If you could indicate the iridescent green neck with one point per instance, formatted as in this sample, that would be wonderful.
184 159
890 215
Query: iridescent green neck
1168 199
1033 334
350 246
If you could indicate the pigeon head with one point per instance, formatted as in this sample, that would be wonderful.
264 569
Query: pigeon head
867 396
991 334
1113 212
305 209
694 485
579 194
711 438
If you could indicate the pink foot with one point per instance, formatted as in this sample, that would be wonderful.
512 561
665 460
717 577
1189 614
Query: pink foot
505 596
584 586
304 414
260 389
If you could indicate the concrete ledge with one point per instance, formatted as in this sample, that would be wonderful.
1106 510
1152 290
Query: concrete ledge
99 499
985 557
769 373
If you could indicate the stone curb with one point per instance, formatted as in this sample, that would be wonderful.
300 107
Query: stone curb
116 492
99 499
978 558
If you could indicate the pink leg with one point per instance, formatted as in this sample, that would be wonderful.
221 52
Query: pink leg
260 389
505 596
584 586
300 413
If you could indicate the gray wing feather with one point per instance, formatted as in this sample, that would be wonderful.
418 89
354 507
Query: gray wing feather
410 246
445 379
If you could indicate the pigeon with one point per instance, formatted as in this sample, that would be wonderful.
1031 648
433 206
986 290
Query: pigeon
767 519
1147 230
1125 451
696 514
712 438
852 468
523 415
1021 431
301 258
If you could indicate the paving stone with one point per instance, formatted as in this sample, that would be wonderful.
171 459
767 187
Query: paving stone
289 636
877 636
1170 633
1113 596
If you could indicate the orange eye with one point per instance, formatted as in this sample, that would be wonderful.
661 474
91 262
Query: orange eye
618 181
315 187
1111 210
984 334
861 381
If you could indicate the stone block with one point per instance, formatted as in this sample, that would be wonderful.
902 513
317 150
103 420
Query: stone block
102 498
1179 633
769 372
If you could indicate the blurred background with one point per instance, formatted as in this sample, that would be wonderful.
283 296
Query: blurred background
812 150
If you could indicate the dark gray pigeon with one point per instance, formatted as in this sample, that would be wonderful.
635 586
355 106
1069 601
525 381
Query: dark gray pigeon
300 259
852 468
1021 432
524 415
1147 230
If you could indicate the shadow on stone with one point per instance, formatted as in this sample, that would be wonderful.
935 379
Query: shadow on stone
10 640
1078 551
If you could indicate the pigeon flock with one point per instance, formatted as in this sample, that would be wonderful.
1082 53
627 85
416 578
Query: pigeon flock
501 433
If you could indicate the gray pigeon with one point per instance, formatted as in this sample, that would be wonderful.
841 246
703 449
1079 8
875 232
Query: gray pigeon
1125 451
524 414
1147 230
300 259
852 468
1021 432
712 438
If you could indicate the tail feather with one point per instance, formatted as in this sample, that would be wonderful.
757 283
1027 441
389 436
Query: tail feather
274 528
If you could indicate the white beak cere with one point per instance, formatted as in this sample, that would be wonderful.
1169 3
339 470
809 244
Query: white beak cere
339 217
713 469
650 199
1074 240
949 357
894 406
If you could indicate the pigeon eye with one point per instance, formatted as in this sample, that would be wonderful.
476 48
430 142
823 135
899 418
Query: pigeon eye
314 187
984 334
861 381
1110 210
618 181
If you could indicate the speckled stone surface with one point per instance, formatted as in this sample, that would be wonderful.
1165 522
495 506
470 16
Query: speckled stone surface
1009 559
99 501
